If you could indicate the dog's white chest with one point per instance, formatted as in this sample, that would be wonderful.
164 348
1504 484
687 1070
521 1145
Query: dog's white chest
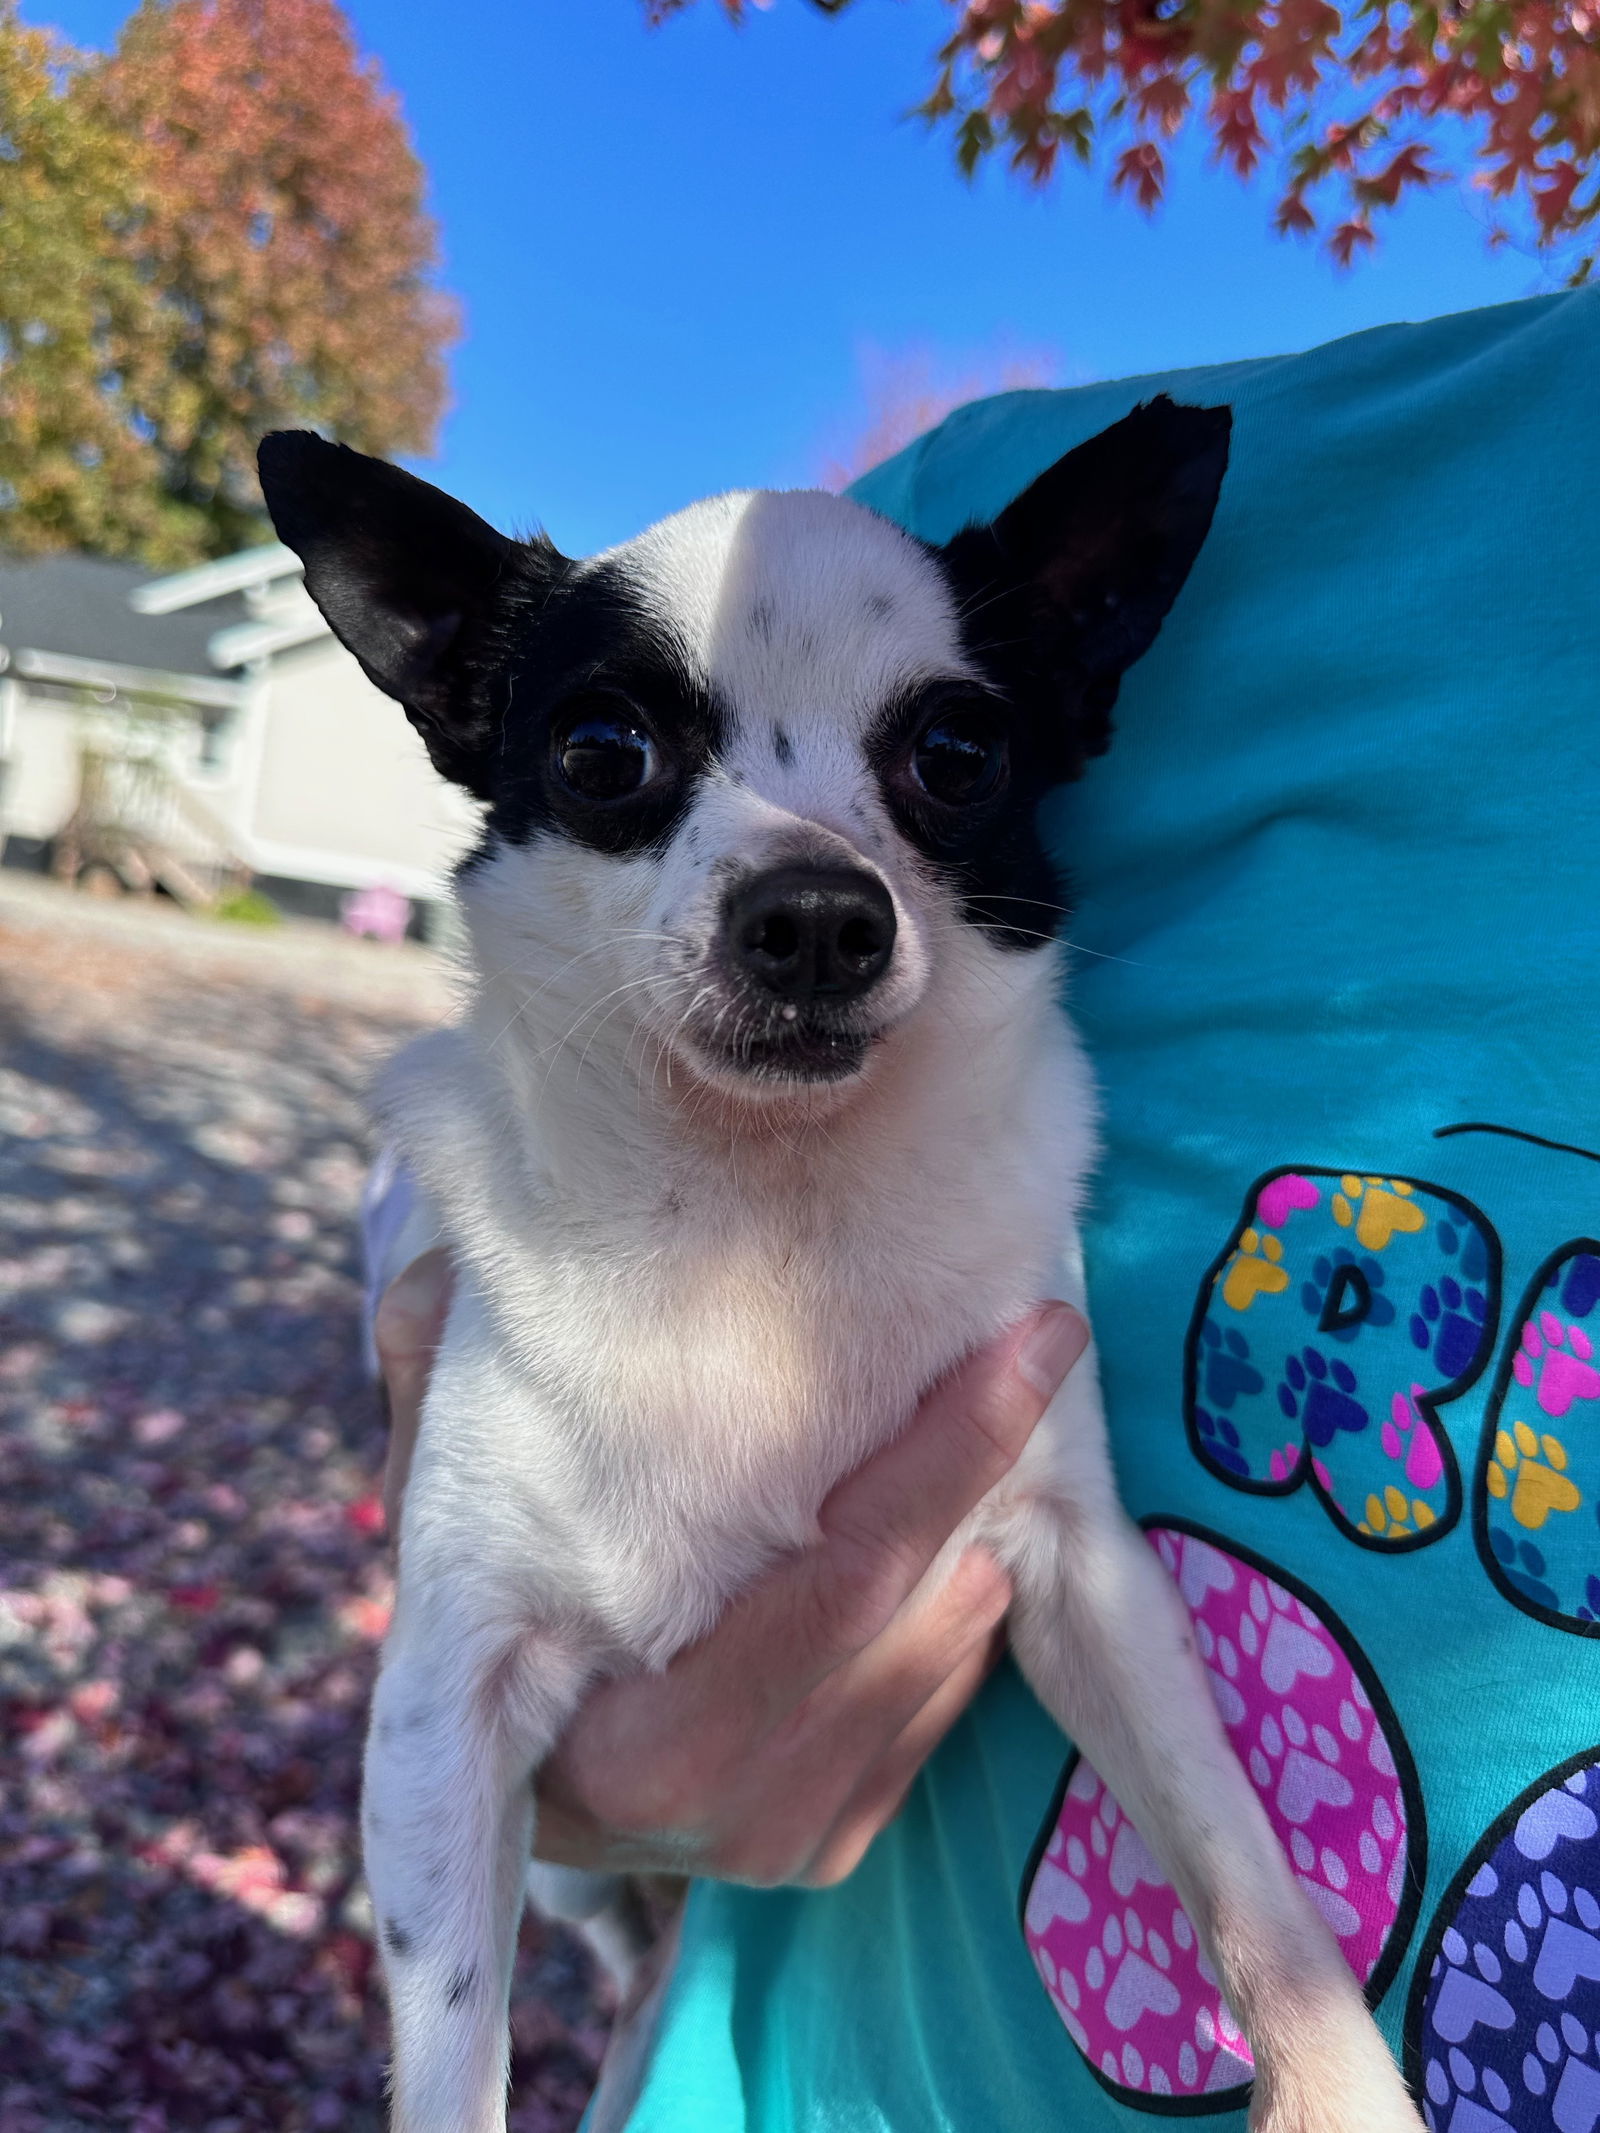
678 1364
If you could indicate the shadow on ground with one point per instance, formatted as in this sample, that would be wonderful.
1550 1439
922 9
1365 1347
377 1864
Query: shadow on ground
193 1573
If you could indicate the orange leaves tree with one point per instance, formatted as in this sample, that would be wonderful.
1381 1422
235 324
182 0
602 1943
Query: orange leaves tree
268 207
1354 105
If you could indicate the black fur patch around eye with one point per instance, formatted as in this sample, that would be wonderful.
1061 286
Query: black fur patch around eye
1056 599
592 638
990 853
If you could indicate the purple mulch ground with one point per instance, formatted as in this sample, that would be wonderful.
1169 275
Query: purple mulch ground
193 1572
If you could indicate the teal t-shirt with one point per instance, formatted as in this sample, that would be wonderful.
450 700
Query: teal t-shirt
1338 921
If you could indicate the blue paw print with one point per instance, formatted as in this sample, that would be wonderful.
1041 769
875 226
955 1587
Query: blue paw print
1589 1610
1343 1294
1580 1291
1448 1324
1319 1395
1524 1566
1504 2034
1228 1375
1227 1365
1221 1443
1457 1239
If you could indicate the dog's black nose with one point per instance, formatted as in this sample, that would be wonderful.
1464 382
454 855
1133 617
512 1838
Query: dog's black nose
812 933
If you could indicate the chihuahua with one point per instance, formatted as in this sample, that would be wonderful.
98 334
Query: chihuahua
763 1111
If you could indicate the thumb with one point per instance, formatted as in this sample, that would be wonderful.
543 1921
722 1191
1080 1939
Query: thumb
882 1528
407 1328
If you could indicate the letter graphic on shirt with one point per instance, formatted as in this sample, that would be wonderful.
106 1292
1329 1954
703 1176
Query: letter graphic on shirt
1345 1310
1537 1486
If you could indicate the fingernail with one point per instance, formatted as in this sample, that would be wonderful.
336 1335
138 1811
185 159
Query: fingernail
1059 1337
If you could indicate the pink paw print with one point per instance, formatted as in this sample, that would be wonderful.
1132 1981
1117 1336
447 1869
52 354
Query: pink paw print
1283 1196
1285 1462
1407 1436
1561 1356
1109 1938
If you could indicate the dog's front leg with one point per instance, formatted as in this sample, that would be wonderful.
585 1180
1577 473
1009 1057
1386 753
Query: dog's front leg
1107 1645
447 1817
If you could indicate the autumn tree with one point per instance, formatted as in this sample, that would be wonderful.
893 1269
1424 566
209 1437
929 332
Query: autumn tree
1354 105
78 324
266 206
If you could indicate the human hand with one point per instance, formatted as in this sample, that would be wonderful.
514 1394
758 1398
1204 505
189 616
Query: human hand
777 1748
407 1328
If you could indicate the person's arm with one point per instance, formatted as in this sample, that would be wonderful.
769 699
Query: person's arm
776 1749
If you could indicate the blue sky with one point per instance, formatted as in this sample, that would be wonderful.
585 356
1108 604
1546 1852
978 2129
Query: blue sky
676 250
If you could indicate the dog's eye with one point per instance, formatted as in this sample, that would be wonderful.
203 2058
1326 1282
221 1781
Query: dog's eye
605 754
960 759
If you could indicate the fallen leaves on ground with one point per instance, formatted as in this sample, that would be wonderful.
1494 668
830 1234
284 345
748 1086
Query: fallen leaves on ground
193 1571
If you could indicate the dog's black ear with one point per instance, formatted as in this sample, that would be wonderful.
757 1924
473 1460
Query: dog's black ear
406 578
1069 585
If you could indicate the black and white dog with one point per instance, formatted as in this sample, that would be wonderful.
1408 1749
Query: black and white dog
761 1113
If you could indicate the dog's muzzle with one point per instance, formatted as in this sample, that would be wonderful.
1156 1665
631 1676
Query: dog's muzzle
802 947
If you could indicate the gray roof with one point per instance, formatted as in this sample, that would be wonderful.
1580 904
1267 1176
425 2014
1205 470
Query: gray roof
78 604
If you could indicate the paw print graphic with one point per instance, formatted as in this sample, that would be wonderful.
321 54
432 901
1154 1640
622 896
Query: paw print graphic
1580 1283
1380 1210
1221 1441
1531 1471
1525 1568
1501 2026
1388 1270
1229 1372
1109 1938
1227 1376
1558 1359
1408 1438
1534 1478
1394 1515
1463 1244
1320 1396
1256 1269
1447 1325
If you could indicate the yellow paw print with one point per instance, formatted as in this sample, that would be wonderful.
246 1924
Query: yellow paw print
1255 1269
1380 1208
1537 1486
1393 1515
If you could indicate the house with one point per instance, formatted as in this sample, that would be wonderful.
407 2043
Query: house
217 710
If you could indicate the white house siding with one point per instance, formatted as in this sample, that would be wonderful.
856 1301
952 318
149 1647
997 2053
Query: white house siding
44 729
310 777
343 789
40 740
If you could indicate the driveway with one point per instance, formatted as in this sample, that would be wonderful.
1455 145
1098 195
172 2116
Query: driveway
193 1570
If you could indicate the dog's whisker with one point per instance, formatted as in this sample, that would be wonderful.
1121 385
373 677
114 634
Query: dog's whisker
617 992
638 985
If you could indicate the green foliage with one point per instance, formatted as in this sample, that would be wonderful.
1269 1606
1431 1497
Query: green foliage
247 907
214 230
78 323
